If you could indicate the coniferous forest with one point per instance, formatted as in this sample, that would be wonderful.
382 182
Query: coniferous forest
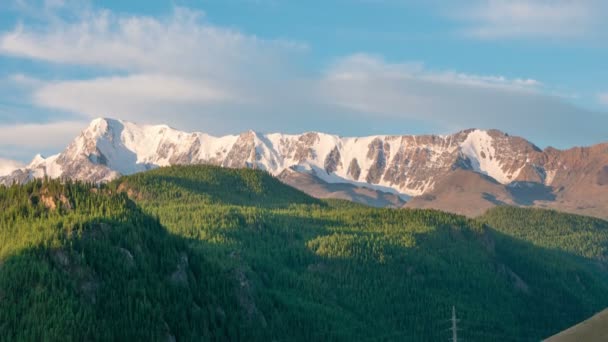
191 253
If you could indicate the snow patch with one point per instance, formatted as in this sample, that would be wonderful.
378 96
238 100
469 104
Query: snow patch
333 178
478 148
550 176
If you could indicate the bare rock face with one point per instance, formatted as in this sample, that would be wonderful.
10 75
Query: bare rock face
378 151
514 153
304 148
333 160
17 177
420 161
243 151
186 157
354 170
166 150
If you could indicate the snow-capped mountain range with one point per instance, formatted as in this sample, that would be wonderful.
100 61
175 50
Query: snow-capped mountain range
405 165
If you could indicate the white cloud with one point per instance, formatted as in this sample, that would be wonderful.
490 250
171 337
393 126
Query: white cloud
369 84
182 43
54 136
134 94
7 166
451 100
364 66
177 65
490 19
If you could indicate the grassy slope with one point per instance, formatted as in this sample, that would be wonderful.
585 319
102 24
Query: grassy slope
235 254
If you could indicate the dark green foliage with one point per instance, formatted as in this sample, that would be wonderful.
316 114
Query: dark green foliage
81 263
206 253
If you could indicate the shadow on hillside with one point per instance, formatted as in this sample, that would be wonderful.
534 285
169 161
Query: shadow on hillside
526 193
492 199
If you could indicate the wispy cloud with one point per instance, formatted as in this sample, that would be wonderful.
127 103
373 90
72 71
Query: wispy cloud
22 141
141 93
179 59
7 166
452 100
181 43
498 19
362 66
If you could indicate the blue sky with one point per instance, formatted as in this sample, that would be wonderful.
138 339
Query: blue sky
535 68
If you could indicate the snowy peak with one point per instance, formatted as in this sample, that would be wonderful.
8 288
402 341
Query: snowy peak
486 152
406 164
37 161
127 147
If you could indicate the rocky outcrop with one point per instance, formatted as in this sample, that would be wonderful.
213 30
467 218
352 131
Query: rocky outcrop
242 153
333 160
378 152
354 171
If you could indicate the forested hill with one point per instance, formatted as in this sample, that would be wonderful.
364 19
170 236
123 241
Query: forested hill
211 185
80 263
205 253
578 235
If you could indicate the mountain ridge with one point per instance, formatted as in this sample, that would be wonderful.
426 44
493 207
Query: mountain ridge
403 165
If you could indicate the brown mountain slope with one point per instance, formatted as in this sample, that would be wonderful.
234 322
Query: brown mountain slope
580 182
595 329
574 180
463 192
316 187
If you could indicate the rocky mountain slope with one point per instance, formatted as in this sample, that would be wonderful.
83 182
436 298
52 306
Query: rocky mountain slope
465 172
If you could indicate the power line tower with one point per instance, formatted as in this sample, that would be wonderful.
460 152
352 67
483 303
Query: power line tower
454 327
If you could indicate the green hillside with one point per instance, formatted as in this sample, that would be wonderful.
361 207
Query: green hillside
211 185
199 252
579 235
80 263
